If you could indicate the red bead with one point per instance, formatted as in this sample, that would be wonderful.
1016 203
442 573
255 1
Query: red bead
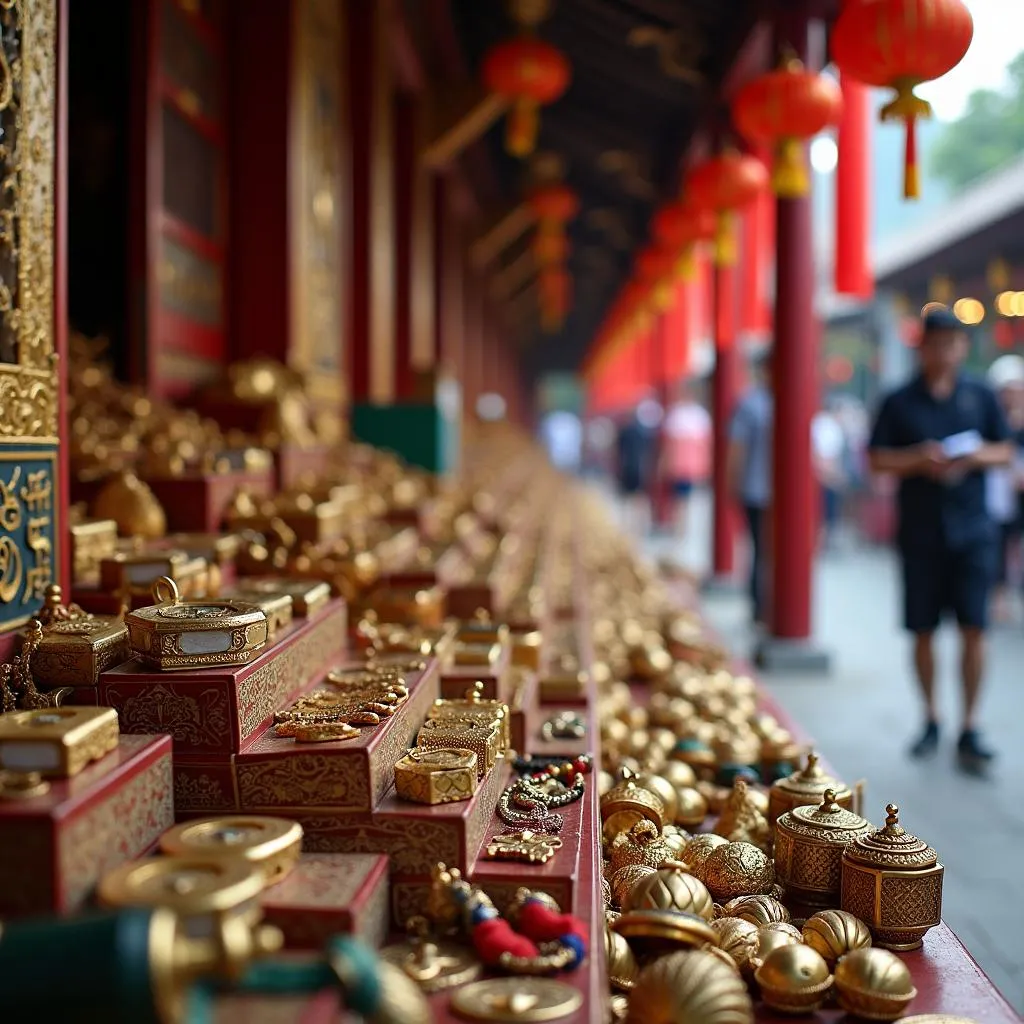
581 765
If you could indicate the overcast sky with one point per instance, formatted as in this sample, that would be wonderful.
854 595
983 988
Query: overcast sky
998 38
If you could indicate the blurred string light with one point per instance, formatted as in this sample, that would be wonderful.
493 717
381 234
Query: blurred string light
491 407
1010 303
824 154
969 311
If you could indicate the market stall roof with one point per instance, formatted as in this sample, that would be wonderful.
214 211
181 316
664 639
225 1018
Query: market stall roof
646 75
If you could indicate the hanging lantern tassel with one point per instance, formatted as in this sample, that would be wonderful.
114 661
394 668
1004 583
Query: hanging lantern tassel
789 173
522 125
686 265
908 108
725 239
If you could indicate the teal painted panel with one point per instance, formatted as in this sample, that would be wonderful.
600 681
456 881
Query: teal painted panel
28 539
421 434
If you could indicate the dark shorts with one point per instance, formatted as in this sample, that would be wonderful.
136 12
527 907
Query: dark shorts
682 488
938 581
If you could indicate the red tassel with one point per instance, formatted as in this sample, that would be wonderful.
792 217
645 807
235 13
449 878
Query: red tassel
853 194
496 936
543 925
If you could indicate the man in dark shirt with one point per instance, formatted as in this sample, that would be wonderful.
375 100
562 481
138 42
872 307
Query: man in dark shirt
939 434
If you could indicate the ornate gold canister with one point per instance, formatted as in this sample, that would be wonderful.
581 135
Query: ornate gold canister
487 713
308 596
75 646
175 634
809 845
56 742
806 787
92 540
436 776
272 844
463 734
892 881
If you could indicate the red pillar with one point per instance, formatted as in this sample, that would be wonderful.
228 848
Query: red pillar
795 386
724 388
404 182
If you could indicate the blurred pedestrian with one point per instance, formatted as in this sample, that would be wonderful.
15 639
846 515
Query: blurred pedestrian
1006 376
749 469
686 452
940 434
636 444
828 447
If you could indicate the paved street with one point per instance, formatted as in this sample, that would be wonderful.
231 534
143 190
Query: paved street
862 716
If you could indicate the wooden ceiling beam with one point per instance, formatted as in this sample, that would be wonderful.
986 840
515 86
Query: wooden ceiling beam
504 230
460 116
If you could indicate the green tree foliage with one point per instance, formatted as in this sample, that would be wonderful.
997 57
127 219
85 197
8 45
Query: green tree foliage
988 135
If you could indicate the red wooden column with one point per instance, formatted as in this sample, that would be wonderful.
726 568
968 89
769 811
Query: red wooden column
372 195
794 374
405 139
724 389
449 283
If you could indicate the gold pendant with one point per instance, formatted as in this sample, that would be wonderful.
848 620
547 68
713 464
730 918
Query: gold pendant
526 846
434 966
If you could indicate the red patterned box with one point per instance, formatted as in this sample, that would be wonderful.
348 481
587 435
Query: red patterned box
466 599
457 679
204 784
55 847
331 894
220 710
196 502
278 775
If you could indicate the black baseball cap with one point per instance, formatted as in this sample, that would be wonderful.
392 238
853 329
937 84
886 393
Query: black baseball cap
939 318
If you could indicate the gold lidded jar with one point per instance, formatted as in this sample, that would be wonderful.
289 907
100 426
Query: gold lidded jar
806 787
809 845
642 844
892 881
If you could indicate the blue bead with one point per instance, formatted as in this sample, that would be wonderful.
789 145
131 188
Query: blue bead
481 912
578 945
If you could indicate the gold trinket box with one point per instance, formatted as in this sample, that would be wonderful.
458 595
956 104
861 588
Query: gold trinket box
475 654
559 687
806 787
526 649
92 541
308 596
215 548
809 845
271 844
438 775
76 647
488 713
174 634
276 607
892 881
138 570
56 742
462 734
482 631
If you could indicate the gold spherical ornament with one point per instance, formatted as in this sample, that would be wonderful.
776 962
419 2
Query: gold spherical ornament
642 844
692 808
695 987
131 503
677 840
737 938
671 888
605 781
699 849
660 787
794 979
874 983
665 739
737 869
834 933
606 891
768 941
786 929
618 1006
625 878
680 775
714 794
758 910
622 965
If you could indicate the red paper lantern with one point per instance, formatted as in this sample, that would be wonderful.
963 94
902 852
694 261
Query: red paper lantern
550 247
899 44
555 202
784 108
530 74
555 288
722 185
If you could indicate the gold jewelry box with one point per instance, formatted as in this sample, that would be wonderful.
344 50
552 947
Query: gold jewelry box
277 608
272 844
92 541
482 631
175 634
216 548
892 881
438 775
309 597
809 845
563 686
137 570
462 734
56 742
76 647
488 714
483 654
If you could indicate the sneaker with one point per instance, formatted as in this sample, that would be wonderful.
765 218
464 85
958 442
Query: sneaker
972 754
928 743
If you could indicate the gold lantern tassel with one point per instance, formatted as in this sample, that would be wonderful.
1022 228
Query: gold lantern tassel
789 172
725 239
521 127
909 109
663 297
686 265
